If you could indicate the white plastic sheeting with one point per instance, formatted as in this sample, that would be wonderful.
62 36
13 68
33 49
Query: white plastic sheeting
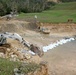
53 45
25 51
31 52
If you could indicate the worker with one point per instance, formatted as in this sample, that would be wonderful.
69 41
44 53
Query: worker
2 40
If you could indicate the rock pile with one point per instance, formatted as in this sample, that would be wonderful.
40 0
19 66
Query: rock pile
16 52
17 48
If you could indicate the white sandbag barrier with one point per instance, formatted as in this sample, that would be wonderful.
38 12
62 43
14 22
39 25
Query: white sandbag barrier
53 45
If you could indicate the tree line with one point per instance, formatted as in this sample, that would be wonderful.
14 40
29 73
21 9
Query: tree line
67 0
6 6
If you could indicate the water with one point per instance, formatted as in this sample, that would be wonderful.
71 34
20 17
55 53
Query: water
62 59
70 46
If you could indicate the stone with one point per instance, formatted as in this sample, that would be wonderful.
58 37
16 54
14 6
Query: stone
27 56
2 55
18 72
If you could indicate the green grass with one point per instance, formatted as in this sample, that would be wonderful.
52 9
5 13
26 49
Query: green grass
30 67
65 6
60 13
7 67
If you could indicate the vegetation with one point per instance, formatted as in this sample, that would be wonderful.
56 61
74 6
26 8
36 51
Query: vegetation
30 67
67 0
6 6
65 6
7 67
26 6
59 13
50 16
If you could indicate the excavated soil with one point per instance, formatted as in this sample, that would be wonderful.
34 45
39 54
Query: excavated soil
30 33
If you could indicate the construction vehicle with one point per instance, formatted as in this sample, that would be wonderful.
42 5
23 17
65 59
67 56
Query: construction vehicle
3 44
43 28
46 31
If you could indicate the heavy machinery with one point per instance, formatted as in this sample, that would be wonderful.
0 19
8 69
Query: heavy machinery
46 31
4 45
3 48
42 28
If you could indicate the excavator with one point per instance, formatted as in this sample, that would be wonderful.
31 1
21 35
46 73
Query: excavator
4 45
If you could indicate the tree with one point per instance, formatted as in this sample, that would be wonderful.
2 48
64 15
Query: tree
6 6
67 0
2 10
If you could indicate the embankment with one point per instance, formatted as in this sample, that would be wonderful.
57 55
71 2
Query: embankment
15 26
61 27
22 26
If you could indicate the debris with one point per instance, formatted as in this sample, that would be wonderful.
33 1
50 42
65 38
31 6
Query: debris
2 55
31 52
18 72
16 50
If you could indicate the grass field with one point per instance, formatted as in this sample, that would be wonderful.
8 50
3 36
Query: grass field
7 67
65 6
59 13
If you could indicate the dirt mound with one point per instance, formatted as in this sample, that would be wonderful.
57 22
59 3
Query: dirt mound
13 26
61 27
22 26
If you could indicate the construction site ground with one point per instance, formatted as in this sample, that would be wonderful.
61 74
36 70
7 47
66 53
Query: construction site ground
30 33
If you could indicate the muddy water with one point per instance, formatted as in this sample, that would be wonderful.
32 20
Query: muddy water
62 59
